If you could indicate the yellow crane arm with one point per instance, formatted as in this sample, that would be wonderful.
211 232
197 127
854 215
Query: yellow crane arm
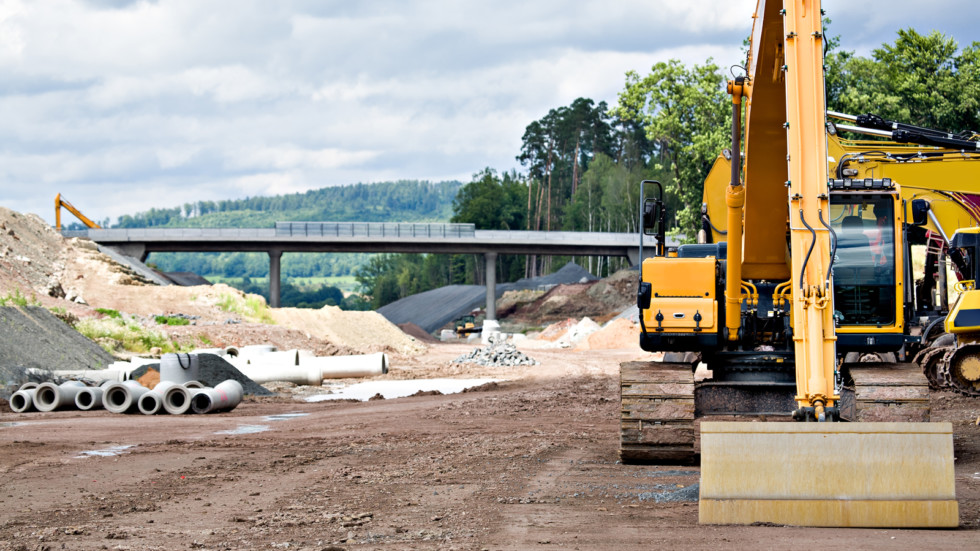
59 202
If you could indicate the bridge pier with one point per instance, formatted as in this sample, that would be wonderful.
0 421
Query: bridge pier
275 255
490 260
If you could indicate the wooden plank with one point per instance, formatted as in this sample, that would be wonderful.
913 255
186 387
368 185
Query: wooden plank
892 393
661 389
668 410
655 372
906 413
659 434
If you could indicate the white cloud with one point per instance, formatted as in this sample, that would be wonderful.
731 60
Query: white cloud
125 105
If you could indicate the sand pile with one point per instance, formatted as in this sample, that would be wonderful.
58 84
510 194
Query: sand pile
556 331
620 333
362 331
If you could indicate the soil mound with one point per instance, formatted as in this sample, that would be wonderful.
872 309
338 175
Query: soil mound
620 333
362 331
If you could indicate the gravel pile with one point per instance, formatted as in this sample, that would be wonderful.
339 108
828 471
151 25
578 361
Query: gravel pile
214 370
497 354
32 337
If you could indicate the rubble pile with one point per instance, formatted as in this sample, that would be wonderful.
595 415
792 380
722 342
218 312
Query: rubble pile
499 353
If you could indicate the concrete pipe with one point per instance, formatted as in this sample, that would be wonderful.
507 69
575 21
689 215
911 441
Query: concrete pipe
97 375
176 398
290 373
314 370
180 368
343 367
22 401
123 397
150 403
28 386
191 385
224 397
89 398
49 396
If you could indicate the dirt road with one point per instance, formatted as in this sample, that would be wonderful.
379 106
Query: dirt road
527 464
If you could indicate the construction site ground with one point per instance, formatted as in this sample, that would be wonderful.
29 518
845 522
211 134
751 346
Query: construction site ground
527 463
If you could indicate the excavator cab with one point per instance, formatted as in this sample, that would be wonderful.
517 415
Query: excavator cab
867 265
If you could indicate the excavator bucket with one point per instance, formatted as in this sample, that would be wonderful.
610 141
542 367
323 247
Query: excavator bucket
828 474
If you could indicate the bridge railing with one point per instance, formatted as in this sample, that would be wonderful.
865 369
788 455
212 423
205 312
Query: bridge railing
372 229
156 234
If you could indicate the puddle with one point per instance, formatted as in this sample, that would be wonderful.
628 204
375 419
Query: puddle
400 389
106 452
245 429
284 416
8 425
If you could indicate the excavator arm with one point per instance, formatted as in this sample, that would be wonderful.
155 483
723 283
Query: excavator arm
59 202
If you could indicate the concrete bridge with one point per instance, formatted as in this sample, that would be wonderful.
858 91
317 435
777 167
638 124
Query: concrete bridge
370 237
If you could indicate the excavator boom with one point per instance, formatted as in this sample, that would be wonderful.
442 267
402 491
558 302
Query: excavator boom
59 202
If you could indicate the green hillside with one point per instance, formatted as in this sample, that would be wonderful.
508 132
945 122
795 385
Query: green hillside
402 201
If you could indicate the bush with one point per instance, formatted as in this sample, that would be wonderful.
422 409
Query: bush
109 312
129 336
171 320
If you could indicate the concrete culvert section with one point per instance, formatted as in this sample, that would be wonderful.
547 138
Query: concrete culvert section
123 397
22 401
89 398
150 403
224 397
50 397
176 400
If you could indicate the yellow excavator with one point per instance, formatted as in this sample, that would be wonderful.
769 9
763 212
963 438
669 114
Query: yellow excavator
60 202
811 268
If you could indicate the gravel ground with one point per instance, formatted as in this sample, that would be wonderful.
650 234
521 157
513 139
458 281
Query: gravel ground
529 463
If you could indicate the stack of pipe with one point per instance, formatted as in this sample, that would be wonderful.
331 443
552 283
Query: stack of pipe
178 398
129 397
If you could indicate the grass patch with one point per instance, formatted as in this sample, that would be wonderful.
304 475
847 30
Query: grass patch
115 333
171 320
204 340
250 307
15 298
109 312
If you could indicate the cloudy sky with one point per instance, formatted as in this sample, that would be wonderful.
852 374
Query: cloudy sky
126 105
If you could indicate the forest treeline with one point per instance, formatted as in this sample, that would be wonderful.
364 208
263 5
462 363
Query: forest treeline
581 164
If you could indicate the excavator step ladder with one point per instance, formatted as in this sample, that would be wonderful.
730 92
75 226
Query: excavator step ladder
828 474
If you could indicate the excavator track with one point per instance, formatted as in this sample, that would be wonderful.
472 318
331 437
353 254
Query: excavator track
960 368
888 392
933 366
657 422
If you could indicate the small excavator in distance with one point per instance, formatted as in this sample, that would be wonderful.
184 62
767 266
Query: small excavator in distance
811 268
59 202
